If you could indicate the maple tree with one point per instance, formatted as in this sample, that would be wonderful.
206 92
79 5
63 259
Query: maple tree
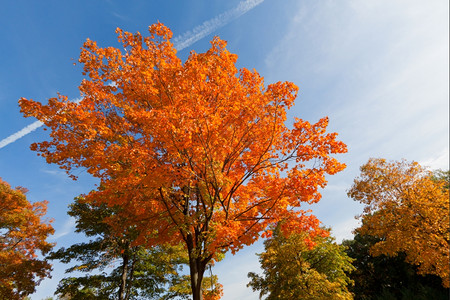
195 152
294 269
407 207
23 236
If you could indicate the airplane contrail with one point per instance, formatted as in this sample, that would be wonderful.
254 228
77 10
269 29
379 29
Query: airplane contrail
199 32
26 130
180 42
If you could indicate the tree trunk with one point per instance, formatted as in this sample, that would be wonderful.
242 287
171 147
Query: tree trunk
123 277
197 270
130 280
197 267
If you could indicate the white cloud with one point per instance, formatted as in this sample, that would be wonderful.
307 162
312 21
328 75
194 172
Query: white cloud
439 160
380 71
343 230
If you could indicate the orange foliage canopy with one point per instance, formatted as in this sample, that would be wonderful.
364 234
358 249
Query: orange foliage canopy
195 151
22 234
408 208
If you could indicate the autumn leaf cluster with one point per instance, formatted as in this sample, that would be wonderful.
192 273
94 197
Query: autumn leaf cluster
199 146
23 235
407 207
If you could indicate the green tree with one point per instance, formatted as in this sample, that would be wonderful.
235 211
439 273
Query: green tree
140 272
442 176
295 268
150 273
385 277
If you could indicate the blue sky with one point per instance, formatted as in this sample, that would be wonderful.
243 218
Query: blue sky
378 69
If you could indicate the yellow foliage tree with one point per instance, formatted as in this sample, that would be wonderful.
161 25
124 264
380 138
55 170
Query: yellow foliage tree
408 208
294 268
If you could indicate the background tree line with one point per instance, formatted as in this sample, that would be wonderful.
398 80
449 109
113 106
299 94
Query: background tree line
294 266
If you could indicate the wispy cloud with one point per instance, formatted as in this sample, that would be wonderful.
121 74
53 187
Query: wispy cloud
437 160
379 70
199 32
180 42
57 172
66 228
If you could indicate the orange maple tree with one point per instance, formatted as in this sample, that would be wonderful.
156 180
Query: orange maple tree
408 208
195 151
22 235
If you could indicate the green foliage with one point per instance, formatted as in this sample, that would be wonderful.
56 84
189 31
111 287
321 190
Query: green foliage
441 175
146 271
384 277
180 287
150 273
293 270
